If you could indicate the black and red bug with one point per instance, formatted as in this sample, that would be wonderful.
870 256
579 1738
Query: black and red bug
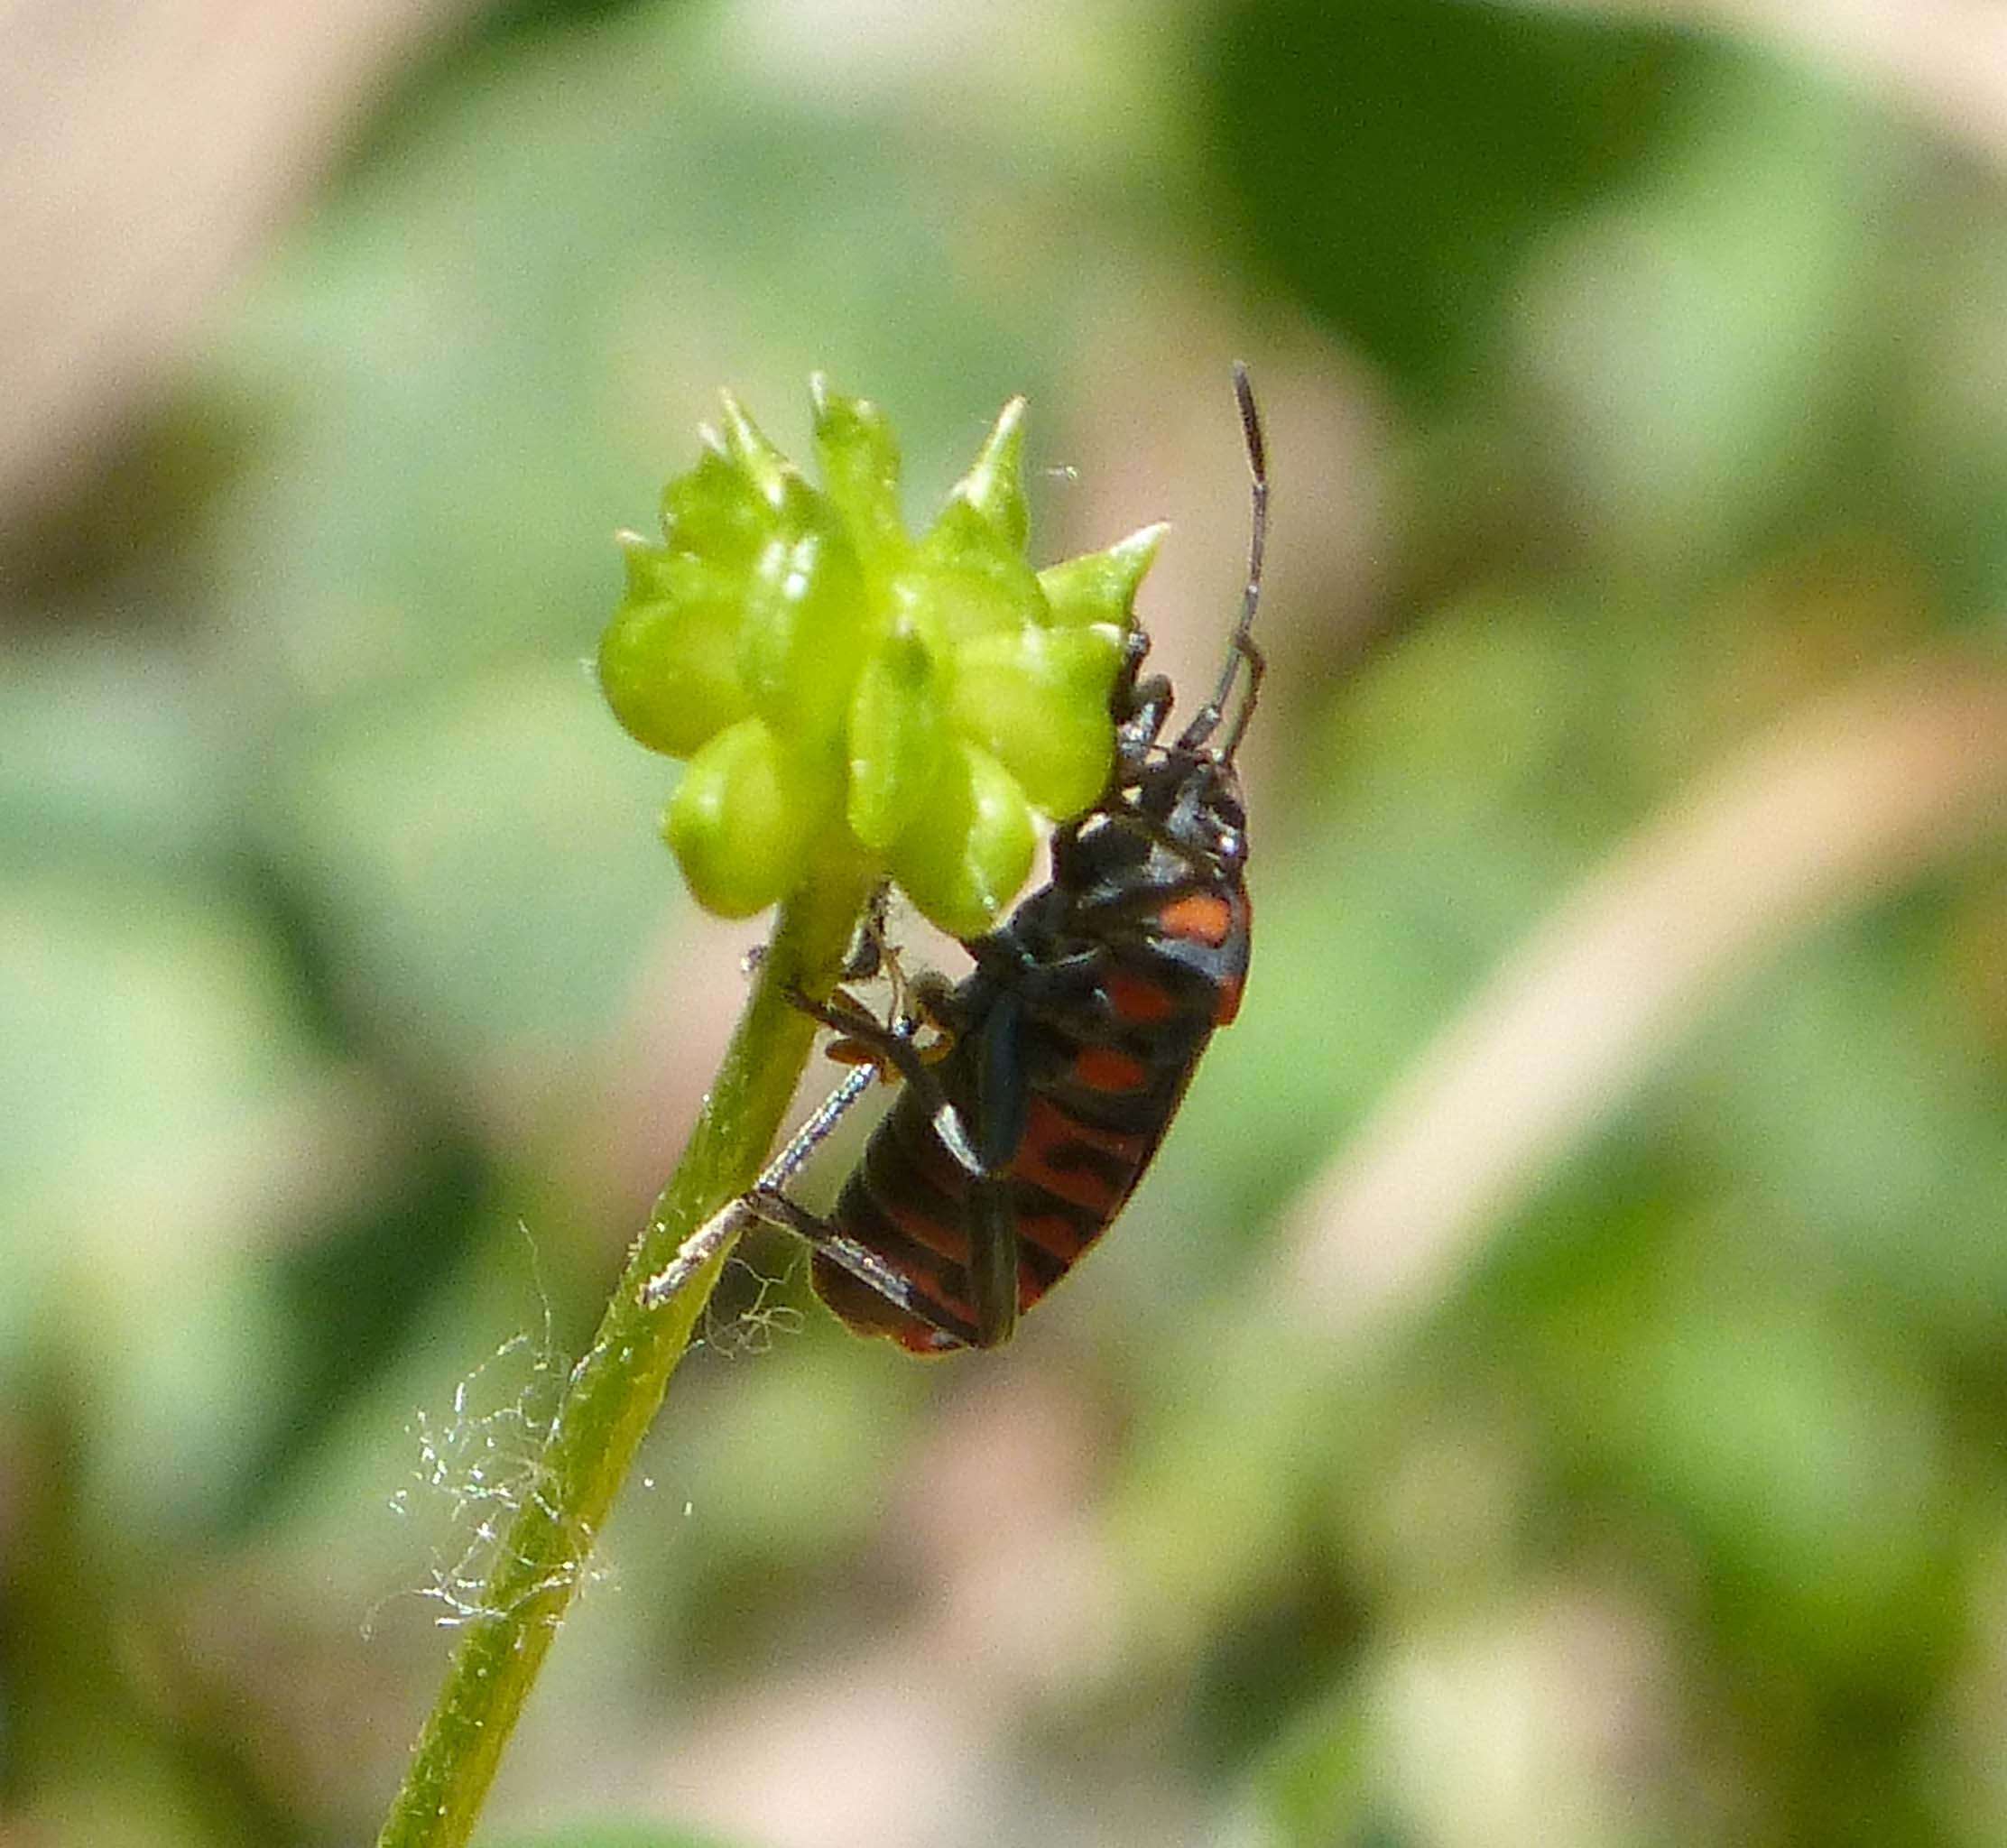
1071 1043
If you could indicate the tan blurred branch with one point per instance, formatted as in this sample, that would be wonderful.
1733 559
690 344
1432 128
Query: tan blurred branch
1843 802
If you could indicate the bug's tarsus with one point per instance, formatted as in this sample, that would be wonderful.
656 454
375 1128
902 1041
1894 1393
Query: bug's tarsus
870 945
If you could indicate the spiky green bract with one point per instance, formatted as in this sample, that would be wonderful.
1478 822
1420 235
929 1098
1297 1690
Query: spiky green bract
846 692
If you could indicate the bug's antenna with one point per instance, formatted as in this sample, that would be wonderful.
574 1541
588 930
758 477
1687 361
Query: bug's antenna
1240 647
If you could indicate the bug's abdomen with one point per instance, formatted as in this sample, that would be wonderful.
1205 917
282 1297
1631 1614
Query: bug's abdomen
1101 1077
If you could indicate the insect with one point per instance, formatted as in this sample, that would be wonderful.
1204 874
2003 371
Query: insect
1070 1044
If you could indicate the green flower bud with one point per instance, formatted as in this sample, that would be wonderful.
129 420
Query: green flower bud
1038 701
805 621
965 581
668 662
743 820
898 732
970 847
845 693
994 485
715 511
768 472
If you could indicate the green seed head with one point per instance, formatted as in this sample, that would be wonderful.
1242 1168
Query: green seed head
822 671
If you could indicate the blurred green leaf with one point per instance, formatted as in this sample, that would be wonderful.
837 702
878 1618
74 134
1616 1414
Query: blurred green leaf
468 848
1396 160
1315 1784
1860 1106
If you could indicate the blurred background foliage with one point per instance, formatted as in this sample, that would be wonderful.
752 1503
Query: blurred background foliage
1637 388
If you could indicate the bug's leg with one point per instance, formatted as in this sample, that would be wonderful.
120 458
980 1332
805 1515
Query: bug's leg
775 1209
844 1016
766 1202
815 1130
871 948
1136 737
1000 1107
923 1000
697 1249
843 1013
992 1259
1003 1100
870 944
931 997
1000 1110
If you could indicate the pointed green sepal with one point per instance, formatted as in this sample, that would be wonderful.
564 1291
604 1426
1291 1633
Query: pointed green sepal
1101 586
965 581
1038 701
970 847
898 734
744 820
860 474
716 510
993 485
768 470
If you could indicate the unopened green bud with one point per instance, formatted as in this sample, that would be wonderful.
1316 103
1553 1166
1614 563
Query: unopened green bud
860 474
1038 701
970 847
804 622
967 581
763 465
898 732
716 511
741 821
995 484
668 662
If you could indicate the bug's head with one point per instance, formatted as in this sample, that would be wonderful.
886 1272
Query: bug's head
1196 795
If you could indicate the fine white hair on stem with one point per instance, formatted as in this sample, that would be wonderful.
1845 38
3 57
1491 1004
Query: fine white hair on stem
477 1463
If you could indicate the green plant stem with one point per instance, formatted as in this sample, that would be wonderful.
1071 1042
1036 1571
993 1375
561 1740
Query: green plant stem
615 1391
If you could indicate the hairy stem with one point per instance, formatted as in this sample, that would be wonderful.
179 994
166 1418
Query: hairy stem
616 1389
